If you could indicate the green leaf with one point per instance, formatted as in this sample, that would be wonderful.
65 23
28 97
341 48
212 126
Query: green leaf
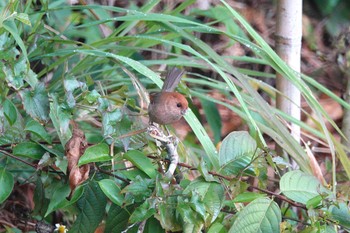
91 209
193 211
236 152
6 184
93 96
328 7
261 215
341 214
202 135
60 118
39 130
56 150
40 202
71 83
13 80
281 163
144 211
103 105
168 216
314 202
117 219
70 101
153 226
78 193
20 73
123 127
96 153
213 118
29 150
112 191
343 157
198 205
58 199
23 18
46 160
210 193
10 111
11 134
10 26
30 77
203 169
301 187
191 218
247 197
109 121
141 161
36 102
139 188
217 228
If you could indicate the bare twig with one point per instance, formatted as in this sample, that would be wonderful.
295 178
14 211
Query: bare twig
111 174
170 143
19 159
296 220
142 226
283 198
129 227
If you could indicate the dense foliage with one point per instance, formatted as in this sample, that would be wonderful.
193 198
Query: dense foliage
89 68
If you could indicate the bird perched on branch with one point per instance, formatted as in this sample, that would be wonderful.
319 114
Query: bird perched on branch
167 106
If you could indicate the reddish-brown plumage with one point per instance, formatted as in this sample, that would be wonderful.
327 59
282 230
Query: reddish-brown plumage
167 106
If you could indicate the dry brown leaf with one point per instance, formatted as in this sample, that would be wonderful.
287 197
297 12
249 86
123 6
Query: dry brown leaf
74 149
315 167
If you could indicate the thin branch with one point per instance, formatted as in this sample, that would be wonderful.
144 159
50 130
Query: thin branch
296 220
141 226
283 198
114 175
19 159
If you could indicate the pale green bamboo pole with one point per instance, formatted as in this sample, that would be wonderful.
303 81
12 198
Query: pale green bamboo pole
288 47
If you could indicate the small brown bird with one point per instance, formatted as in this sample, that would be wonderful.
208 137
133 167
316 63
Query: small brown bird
167 106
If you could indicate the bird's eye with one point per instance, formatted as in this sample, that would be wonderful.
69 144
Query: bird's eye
179 105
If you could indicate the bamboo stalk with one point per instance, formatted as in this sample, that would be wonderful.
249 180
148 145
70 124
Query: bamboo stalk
288 47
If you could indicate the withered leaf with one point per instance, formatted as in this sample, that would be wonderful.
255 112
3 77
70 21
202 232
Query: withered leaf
74 149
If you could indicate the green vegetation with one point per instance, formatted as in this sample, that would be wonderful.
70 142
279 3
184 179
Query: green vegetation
96 64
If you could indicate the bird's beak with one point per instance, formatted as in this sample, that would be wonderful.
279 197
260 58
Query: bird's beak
183 112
